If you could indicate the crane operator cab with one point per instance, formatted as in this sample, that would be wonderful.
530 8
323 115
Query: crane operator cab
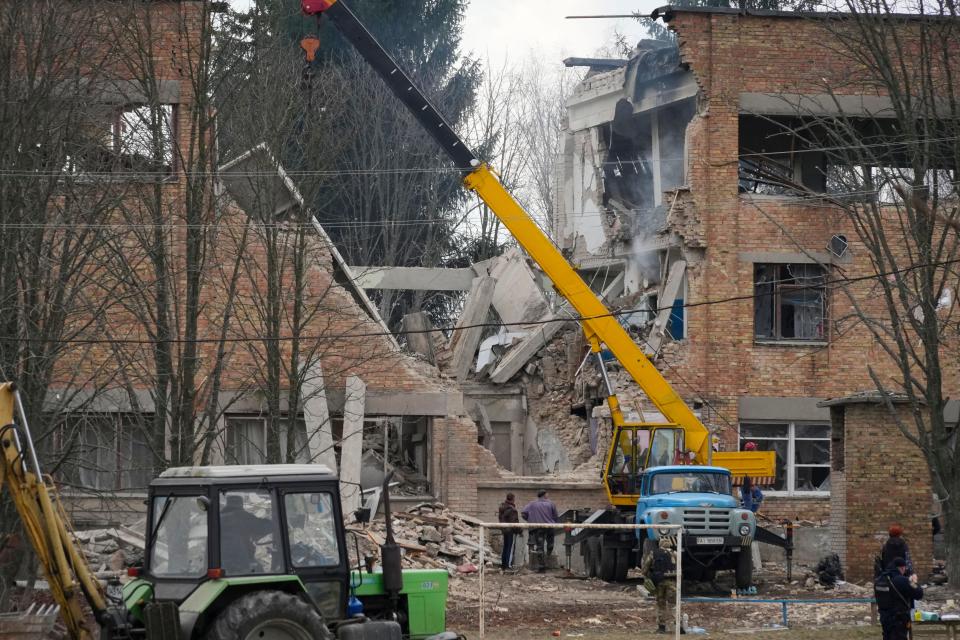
635 447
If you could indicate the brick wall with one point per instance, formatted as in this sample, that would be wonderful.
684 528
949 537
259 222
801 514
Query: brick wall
565 494
815 510
886 480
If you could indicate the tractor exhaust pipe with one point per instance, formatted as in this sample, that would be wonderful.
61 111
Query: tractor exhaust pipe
390 553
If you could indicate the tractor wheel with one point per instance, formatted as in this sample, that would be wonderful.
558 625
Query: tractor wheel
269 615
744 575
622 565
608 563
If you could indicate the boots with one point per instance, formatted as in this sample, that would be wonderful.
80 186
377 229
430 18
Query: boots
661 628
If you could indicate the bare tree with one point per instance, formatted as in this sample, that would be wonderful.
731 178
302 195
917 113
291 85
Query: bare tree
171 218
55 214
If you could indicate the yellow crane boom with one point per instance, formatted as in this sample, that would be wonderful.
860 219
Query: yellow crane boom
634 446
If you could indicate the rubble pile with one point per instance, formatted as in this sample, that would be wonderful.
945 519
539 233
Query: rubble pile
410 481
431 536
110 551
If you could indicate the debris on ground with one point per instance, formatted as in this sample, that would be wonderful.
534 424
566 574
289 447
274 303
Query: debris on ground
431 536
110 551
829 571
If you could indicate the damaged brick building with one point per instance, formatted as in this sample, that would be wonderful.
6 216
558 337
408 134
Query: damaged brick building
354 377
664 206
669 181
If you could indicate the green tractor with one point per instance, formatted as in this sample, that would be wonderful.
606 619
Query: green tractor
260 552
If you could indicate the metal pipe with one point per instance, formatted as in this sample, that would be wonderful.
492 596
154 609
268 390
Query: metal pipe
26 432
603 372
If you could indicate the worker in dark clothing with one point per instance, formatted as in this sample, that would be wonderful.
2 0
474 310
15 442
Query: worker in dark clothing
508 513
239 531
895 547
895 593
542 511
660 566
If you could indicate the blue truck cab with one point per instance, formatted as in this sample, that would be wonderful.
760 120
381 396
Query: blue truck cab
717 533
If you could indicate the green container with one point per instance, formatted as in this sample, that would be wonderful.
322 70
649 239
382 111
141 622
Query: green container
425 592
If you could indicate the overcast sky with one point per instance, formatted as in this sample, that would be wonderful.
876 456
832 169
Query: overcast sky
497 28
494 29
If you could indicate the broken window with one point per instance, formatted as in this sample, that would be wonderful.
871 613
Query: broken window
888 184
247 443
406 441
774 160
803 454
790 302
646 154
108 452
135 141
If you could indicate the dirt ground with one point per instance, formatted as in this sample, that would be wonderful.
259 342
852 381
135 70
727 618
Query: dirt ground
528 605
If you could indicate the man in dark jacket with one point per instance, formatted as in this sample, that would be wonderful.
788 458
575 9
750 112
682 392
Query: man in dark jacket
239 531
895 593
542 511
895 547
508 513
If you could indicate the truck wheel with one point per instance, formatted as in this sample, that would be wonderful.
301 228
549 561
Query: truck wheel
589 563
608 563
269 615
593 557
622 565
744 575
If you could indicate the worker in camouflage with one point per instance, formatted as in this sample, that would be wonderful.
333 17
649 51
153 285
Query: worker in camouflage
660 566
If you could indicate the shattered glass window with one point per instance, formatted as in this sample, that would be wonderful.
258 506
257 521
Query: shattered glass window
790 302
802 453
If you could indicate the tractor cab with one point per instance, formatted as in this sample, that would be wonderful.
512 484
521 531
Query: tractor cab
260 551
246 523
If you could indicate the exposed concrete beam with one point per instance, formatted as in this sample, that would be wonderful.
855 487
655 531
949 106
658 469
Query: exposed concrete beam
670 291
351 446
518 297
418 325
413 278
466 337
316 415
519 355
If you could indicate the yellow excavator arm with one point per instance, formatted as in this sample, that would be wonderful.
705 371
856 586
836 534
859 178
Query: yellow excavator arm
634 446
45 523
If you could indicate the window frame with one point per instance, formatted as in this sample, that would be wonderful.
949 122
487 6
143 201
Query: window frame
262 419
776 296
122 426
790 462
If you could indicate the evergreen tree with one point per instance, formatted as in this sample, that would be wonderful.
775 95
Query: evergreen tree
387 196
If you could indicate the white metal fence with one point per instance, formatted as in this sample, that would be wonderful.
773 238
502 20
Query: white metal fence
565 526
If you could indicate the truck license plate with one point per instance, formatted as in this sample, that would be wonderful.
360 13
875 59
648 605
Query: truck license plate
710 540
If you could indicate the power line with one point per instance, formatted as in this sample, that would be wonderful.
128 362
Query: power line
448 328
428 170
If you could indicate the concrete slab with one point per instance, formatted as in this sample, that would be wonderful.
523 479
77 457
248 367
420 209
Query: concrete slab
417 327
517 298
316 414
466 337
351 445
414 278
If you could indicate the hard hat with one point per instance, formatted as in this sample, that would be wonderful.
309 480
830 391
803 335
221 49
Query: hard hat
750 446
